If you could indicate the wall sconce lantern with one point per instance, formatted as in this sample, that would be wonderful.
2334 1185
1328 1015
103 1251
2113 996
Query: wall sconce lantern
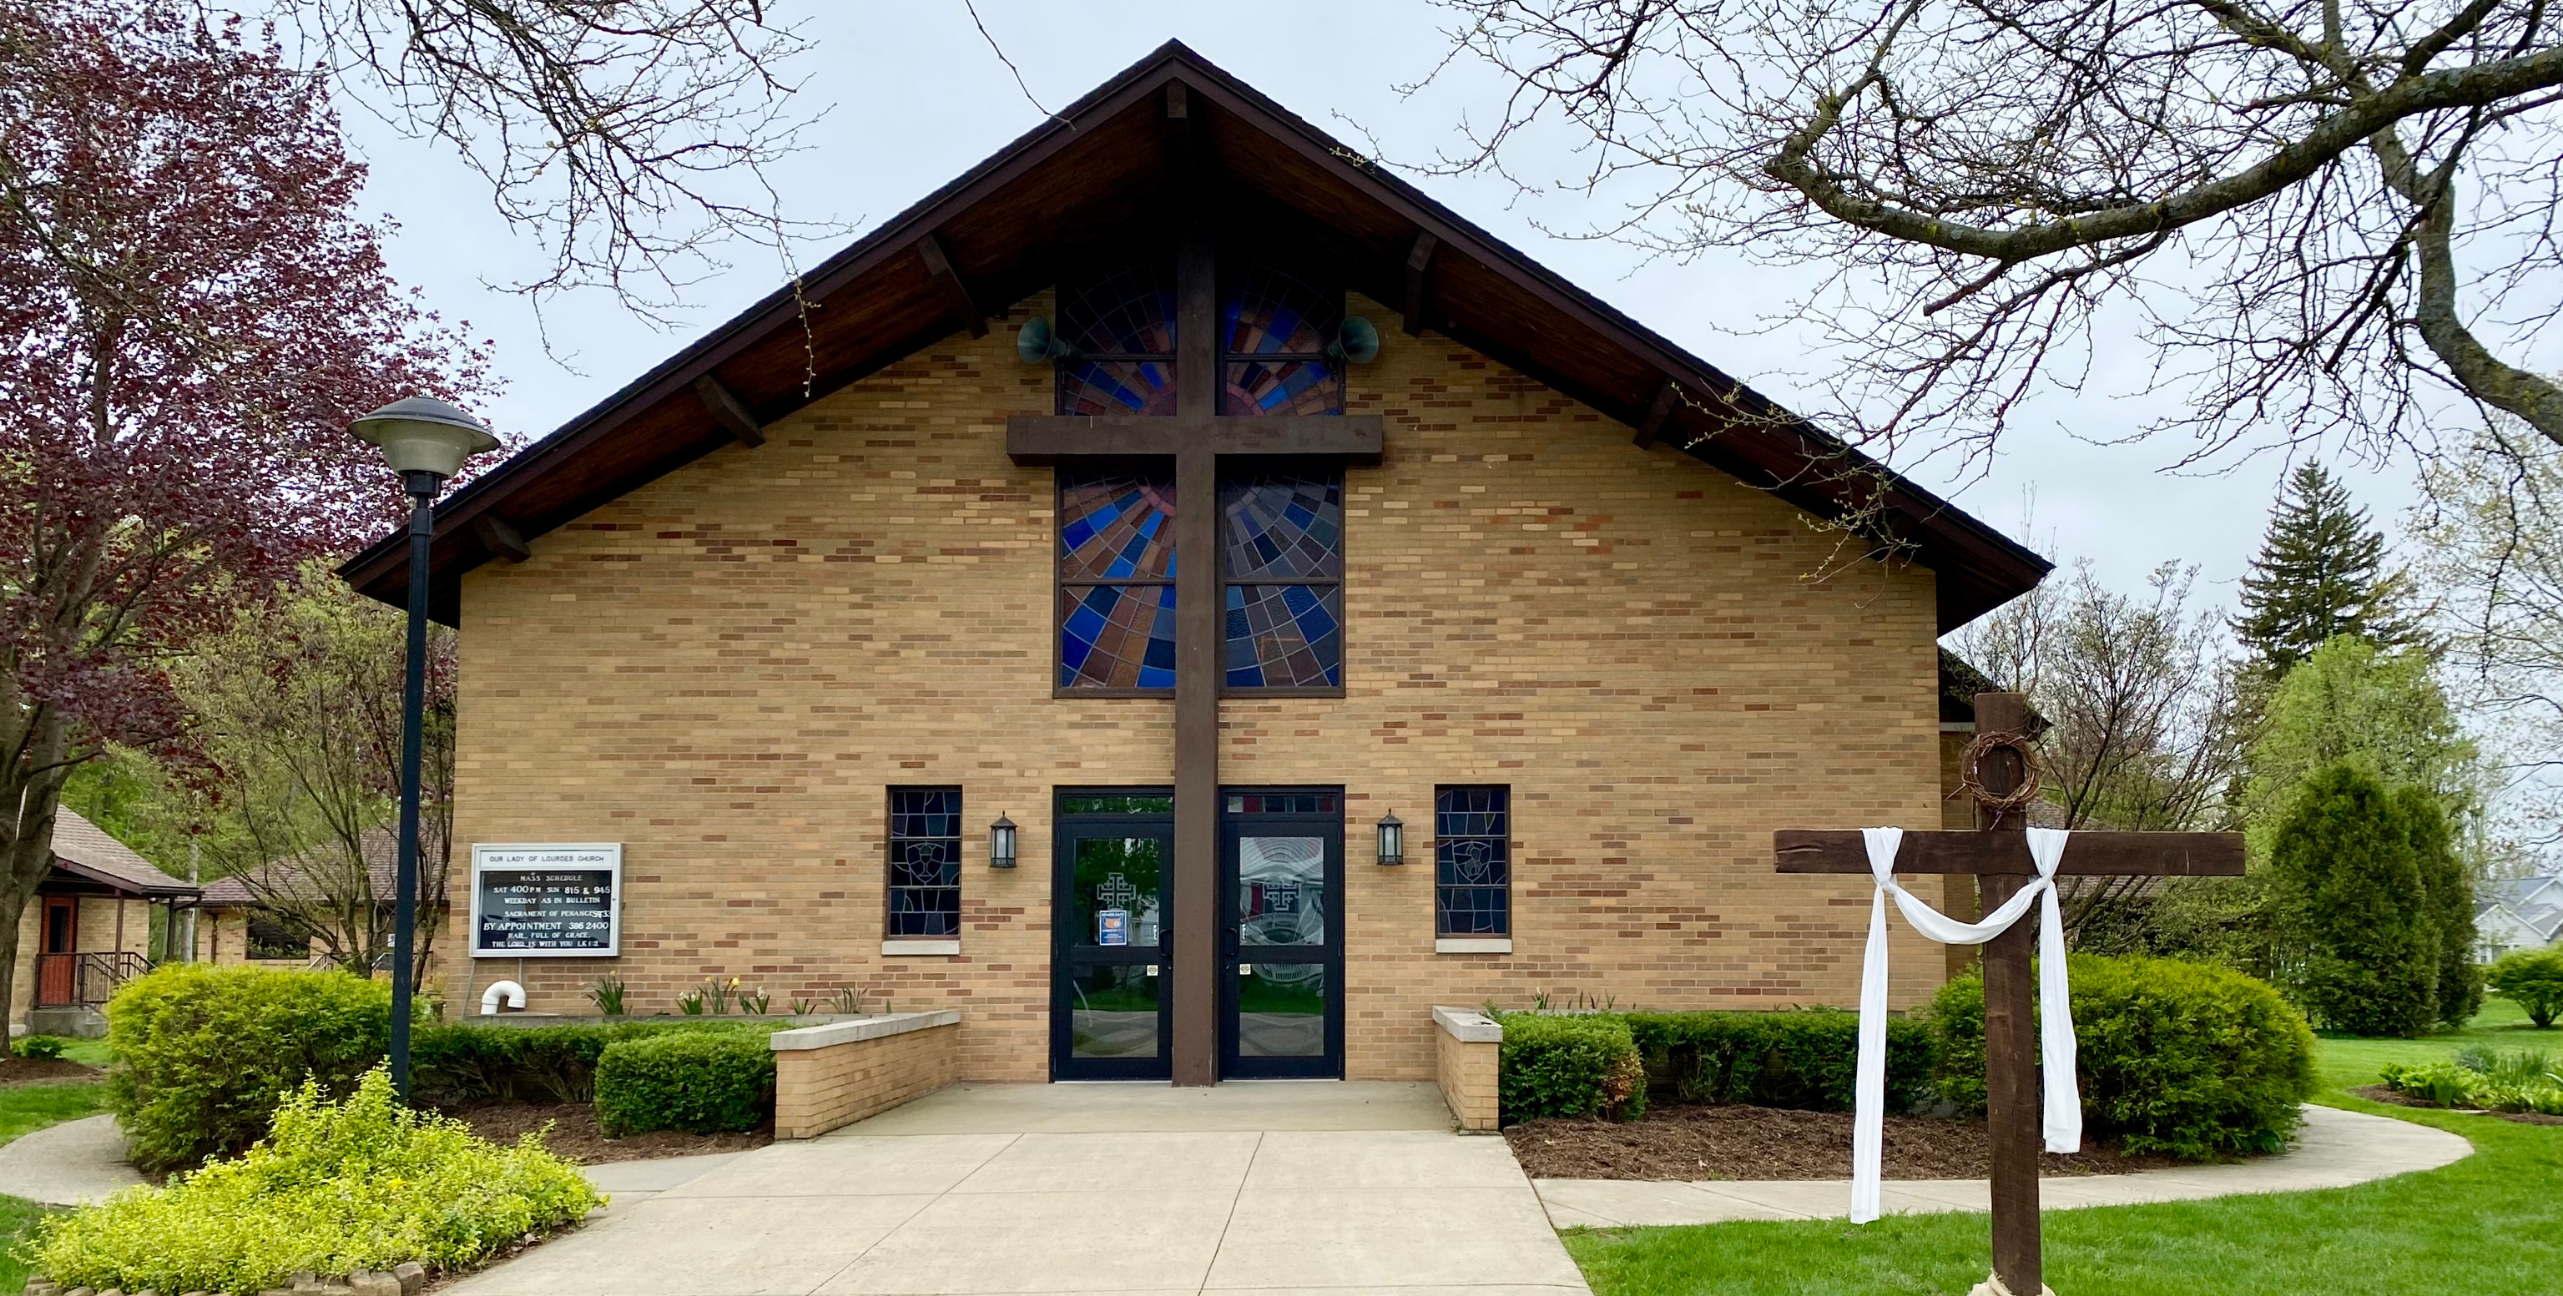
1392 840
1001 843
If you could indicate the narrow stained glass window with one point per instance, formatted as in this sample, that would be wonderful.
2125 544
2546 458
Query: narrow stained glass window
1122 326
925 863
1274 327
1472 861
1116 581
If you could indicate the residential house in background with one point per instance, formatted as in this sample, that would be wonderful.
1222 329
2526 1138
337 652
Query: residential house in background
2518 913
244 918
87 930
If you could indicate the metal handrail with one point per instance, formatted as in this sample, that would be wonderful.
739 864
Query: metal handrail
91 977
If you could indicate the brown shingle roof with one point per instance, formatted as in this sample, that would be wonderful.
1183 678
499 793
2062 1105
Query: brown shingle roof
84 848
382 861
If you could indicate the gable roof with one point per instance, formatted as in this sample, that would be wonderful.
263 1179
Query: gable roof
1098 168
381 847
83 848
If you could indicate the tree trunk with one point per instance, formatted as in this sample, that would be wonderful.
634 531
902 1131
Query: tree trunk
26 840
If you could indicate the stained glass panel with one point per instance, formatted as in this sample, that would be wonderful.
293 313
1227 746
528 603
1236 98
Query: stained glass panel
1283 387
1116 527
1130 312
1104 387
1117 636
1274 329
1288 527
1472 866
1285 636
925 862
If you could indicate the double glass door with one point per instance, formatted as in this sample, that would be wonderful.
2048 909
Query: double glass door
1280 969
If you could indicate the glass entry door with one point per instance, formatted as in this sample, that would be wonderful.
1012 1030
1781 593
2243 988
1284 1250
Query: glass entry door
1111 966
1281 969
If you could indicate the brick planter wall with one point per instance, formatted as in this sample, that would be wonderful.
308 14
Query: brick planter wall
830 1076
1467 1050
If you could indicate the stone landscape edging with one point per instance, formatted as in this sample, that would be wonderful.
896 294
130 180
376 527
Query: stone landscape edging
2338 1149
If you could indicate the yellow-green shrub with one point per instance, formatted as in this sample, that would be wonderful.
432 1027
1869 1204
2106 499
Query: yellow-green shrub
360 1184
204 1054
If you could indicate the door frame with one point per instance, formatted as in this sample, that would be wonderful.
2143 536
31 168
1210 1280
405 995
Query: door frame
1328 1065
1065 954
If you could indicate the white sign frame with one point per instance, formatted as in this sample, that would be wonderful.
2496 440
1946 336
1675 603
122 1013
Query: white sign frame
562 855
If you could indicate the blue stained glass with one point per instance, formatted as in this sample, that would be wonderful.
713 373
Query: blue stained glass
1117 636
1290 527
1284 636
1115 527
1472 865
1274 330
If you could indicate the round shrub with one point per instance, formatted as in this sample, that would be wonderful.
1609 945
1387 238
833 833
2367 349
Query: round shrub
2184 1059
1568 1065
205 1054
362 1184
2532 978
703 1081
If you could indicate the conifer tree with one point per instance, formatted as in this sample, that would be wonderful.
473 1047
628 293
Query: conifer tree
2319 575
2450 896
2351 903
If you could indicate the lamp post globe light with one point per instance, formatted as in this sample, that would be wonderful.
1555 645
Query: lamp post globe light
426 441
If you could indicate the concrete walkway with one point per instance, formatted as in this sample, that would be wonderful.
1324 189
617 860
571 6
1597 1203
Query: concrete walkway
75 1163
1276 1188
2338 1149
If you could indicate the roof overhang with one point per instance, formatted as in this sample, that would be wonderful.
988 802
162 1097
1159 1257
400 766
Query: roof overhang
1090 175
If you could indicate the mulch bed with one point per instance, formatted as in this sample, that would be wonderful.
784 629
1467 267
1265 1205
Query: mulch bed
2379 1093
1698 1142
25 1070
574 1134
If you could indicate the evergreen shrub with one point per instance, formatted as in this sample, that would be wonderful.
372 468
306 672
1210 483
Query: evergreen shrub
1804 1060
703 1081
1583 1065
2350 892
460 1066
205 1054
361 1184
2185 1059
2534 980
2449 893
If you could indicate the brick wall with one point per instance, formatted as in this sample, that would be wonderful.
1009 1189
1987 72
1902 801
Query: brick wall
725 668
1468 1056
820 1089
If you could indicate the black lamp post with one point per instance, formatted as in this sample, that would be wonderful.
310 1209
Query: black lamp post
426 441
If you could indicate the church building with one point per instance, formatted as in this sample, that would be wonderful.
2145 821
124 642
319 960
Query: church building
1190 603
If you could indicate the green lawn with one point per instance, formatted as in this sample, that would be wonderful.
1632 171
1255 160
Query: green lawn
2481 1227
24 1109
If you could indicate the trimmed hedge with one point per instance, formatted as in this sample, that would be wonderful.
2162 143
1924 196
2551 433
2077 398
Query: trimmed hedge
1583 1065
204 1055
2184 1059
1801 1059
461 1066
703 1081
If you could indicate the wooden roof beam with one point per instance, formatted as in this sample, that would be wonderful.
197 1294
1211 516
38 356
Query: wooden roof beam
1652 426
728 411
500 539
1419 264
955 293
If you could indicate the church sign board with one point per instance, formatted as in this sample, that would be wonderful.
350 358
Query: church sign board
546 899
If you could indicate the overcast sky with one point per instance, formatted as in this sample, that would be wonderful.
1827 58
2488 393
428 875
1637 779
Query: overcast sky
914 96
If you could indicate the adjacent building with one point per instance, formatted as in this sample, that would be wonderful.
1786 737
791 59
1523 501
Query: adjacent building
88 929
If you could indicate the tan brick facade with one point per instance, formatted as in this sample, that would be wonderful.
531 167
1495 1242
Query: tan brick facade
1468 1056
726 668
820 1089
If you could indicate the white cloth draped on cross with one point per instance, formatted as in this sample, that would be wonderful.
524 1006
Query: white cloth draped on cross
2063 1097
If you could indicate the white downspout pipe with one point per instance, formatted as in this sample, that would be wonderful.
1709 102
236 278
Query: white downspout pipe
513 993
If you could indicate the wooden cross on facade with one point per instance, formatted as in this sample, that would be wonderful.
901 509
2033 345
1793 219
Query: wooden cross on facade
1196 437
1998 855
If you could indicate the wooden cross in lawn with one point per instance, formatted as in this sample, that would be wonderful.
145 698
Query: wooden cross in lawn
1197 436
1998 855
